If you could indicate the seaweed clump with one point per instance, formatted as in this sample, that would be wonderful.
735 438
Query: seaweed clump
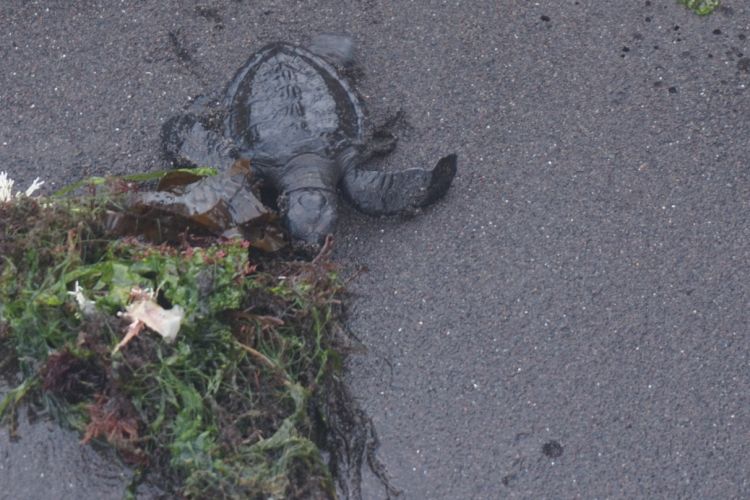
239 403
701 7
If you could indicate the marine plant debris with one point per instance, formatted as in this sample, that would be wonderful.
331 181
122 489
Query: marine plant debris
179 329
701 7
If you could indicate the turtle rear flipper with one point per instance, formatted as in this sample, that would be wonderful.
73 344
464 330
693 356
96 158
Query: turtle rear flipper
383 142
338 49
387 193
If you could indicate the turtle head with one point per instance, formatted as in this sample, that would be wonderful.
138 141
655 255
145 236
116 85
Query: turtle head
310 214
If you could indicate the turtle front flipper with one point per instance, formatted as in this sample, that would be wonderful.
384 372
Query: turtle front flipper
188 142
387 193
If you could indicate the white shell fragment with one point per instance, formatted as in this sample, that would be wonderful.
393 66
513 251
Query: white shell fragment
165 322
144 311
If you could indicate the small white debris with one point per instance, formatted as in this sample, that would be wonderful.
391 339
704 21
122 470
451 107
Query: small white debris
144 311
34 187
165 322
87 307
6 188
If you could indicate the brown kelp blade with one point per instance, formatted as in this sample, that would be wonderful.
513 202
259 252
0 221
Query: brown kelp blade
223 204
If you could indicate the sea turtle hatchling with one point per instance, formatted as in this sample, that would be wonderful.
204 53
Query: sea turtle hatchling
303 127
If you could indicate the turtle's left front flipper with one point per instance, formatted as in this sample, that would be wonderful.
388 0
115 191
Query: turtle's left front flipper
387 193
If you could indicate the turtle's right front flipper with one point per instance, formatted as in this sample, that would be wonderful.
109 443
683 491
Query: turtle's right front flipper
387 193
188 142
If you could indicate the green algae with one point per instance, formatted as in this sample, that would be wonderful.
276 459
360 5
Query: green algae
239 406
701 7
